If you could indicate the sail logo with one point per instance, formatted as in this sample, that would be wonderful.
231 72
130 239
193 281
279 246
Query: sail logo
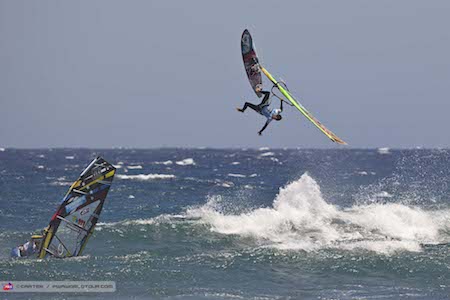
79 221
84 211
8 287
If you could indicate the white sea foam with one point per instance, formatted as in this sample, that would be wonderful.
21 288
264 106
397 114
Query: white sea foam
186 162
135 167
264 149
236 175
2 149
234 163
226 184
301 219
384 150
274 159
384 194
159 219
70 157
144 177
61 183
266 154
156 220
166 163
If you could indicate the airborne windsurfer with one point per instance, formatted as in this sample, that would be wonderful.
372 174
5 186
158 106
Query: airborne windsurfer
263 109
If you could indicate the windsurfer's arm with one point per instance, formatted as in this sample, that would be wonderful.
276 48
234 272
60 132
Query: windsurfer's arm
264 127
281 105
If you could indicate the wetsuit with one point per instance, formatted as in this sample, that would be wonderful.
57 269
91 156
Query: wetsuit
258 108
263 109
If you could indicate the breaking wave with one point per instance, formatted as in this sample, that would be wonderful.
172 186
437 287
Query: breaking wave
300 219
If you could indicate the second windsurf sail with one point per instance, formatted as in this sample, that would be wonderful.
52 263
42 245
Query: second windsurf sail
75 219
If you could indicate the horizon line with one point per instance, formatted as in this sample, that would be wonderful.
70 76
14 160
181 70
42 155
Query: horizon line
2 149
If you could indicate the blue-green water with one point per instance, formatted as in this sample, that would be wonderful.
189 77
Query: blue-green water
241 224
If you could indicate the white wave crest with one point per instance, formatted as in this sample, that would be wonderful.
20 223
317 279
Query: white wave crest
144 177
156 220
186 162
266 154
61 183
384 150
301 219
138 167
236 175
166 163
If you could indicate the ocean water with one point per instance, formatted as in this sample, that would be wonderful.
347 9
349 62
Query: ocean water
241 223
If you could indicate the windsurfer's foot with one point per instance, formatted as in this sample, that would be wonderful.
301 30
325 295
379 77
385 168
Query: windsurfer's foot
239 109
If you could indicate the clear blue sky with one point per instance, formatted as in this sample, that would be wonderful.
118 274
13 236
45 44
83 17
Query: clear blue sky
169 73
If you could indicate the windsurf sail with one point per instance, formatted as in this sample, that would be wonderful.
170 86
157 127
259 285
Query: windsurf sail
251 62
254 69
75 219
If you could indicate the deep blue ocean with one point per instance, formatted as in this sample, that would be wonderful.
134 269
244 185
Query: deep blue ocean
241 223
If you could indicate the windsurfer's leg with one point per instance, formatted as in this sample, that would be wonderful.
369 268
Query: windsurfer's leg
265 100
251 105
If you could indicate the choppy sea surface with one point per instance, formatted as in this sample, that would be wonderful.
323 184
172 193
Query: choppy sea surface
241 223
